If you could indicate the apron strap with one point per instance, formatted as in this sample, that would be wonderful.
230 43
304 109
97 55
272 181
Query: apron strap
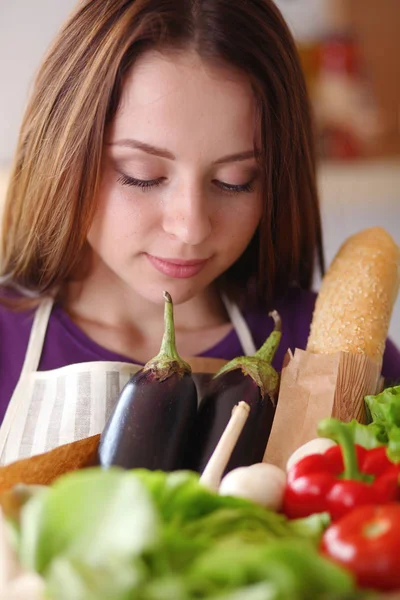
242 329
31 363
37 336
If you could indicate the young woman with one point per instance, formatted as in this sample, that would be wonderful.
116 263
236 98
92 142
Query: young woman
167 146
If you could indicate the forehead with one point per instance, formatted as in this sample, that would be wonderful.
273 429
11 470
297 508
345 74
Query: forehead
167 95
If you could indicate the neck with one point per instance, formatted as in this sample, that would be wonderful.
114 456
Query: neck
103 299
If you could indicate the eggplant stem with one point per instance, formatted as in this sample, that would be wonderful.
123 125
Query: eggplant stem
168 344
258 366
270 346
215 467
167 362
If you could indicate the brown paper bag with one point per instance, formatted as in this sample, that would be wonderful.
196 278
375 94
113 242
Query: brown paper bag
43 469
315 386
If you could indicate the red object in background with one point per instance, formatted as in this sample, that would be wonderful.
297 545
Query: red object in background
339 69
338 143
367 542
338 54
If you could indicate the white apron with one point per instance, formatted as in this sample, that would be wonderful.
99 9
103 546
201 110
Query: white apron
51 408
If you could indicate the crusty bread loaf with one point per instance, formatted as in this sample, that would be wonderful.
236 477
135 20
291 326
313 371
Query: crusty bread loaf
43 469
357 296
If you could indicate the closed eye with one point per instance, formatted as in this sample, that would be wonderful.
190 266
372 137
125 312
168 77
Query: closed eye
143 184
147 184
235 189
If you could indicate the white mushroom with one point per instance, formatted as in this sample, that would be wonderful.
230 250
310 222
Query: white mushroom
261 483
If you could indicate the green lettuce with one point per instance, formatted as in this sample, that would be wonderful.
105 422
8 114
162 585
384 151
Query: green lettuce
384 412
88 515
384 408
119 535
383 428
290 569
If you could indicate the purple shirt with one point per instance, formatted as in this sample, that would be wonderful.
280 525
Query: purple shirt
66 344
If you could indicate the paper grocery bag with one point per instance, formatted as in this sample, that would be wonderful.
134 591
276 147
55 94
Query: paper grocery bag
315 386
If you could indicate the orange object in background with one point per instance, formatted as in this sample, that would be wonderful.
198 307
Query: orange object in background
339 98
309 56
377 29
347 115
353 75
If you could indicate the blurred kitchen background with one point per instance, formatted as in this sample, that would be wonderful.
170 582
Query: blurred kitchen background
350 51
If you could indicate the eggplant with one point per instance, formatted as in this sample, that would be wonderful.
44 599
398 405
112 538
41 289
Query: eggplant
154 416
251 379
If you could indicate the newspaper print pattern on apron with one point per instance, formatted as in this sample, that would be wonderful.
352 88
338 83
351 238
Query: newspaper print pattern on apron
51 408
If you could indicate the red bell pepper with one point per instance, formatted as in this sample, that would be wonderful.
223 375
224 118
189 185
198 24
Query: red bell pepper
367 541
344 477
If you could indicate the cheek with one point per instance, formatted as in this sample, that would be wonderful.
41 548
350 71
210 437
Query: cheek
120 218
239 220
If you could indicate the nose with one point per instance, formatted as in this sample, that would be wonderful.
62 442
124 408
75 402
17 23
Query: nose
187 217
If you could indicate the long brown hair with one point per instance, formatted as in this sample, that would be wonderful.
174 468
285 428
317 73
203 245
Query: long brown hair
57 171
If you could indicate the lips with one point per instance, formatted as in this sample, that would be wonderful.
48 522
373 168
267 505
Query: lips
177 268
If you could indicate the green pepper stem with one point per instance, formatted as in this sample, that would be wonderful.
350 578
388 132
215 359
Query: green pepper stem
338 432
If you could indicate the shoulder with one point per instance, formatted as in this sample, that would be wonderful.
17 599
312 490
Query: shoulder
295 308
15 327
391 364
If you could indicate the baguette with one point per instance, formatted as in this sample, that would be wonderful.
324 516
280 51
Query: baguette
357 295
43 469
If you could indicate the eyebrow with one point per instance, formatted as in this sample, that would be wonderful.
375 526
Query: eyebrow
161 152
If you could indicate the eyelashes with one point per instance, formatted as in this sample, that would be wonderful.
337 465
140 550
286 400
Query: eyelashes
236 189
143 184
146 185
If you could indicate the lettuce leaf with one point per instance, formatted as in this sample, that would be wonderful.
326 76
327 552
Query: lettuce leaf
118 535
184 504
74 579
291 569
384 412
88 515
385 407
383 429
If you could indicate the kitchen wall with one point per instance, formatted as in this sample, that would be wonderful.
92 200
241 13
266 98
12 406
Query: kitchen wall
26 29
353 195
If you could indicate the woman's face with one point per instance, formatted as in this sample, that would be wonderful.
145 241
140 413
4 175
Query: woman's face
180 197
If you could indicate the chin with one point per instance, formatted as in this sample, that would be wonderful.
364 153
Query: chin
180 292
